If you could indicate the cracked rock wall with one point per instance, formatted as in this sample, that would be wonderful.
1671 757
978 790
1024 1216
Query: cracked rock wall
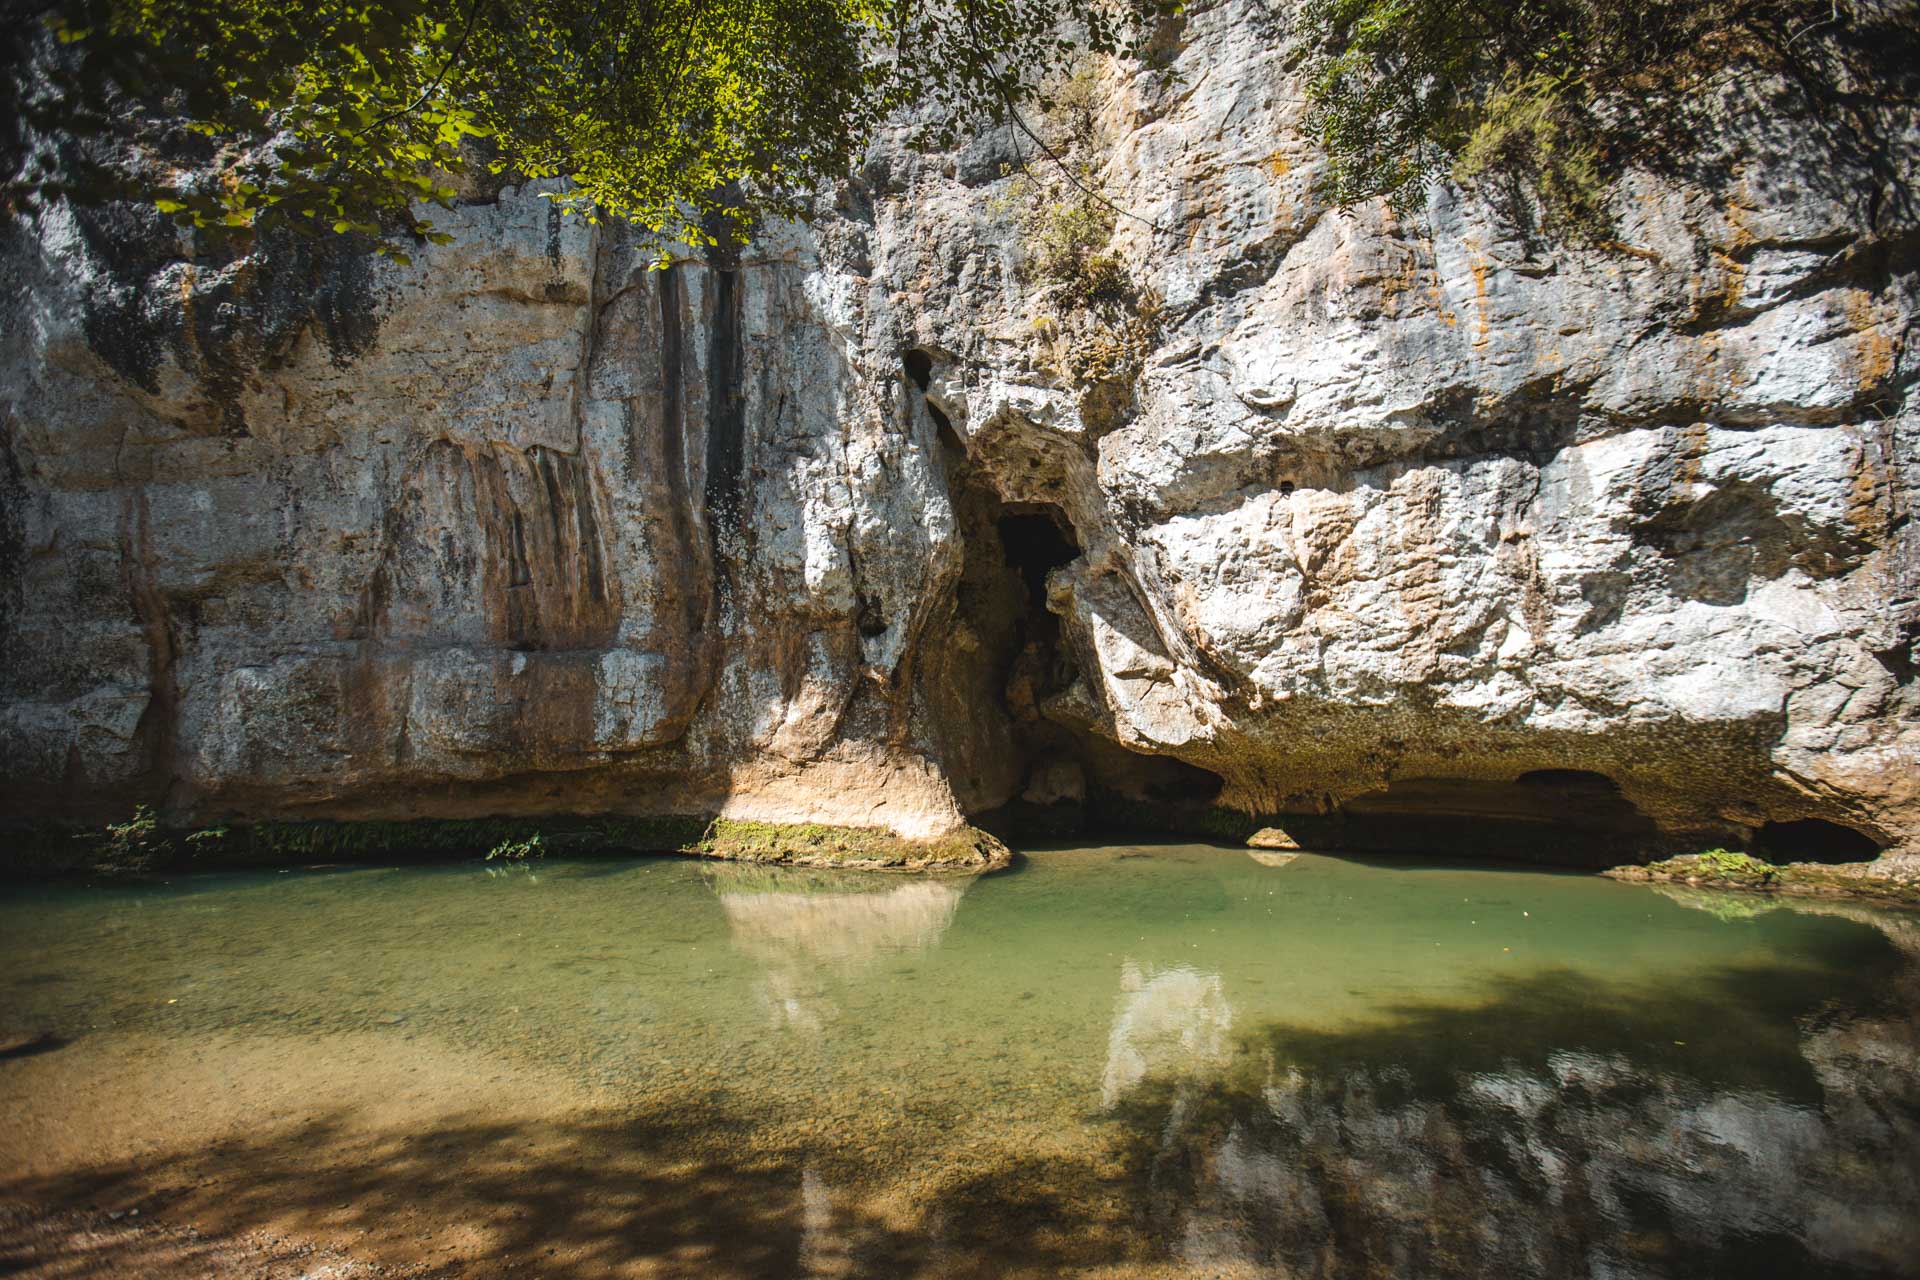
1391 502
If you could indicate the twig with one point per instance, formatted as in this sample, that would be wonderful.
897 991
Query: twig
473 13
1014 119
1092 194
1815 26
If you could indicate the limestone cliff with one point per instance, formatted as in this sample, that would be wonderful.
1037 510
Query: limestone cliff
1392 522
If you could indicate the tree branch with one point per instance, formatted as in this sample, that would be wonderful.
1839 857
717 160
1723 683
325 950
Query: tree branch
453 60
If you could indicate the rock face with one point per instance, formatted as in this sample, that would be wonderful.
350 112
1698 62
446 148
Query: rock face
1393 522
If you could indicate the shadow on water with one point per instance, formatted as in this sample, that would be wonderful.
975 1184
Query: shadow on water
31 1045
705 1190
1456 863
1551 1124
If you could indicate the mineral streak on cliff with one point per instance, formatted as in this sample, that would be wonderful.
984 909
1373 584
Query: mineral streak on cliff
1386 523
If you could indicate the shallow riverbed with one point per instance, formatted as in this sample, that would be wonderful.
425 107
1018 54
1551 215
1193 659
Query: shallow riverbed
1147 1060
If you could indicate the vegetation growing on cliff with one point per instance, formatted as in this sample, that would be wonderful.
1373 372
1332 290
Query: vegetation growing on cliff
1545 102
681 116
1097 323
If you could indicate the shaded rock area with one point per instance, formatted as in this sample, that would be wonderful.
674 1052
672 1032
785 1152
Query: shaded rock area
117 1245
1414 531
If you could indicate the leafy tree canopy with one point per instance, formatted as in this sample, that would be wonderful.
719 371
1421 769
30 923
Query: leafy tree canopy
684 117
1556 97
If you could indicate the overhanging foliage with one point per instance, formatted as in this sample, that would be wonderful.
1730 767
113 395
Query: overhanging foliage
685 117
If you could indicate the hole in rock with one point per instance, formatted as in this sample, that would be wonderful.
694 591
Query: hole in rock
871 620
992 664
919 367
943 430
1813 840
1899 662
1036 539
1549 815
1286 488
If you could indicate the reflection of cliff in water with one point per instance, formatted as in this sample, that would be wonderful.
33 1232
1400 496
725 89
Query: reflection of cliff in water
1167 1024
1564 1127
780 917
1593 1166
807 925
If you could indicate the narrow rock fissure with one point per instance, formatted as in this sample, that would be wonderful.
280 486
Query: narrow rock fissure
726 413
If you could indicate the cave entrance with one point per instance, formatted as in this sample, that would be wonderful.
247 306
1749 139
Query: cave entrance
1568 816
1023 760
1814 840
1035 539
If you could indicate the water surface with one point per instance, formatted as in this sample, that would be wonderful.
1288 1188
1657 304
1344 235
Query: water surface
1167 1059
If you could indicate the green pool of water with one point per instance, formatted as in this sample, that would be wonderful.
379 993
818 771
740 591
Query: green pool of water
1162 1059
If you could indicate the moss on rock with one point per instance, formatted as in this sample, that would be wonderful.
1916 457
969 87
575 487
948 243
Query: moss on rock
814 845
51 850
1728 869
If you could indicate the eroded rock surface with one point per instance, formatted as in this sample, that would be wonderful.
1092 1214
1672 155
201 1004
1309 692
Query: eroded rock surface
1356 516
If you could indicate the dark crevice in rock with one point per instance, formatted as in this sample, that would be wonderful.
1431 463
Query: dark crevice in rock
871 619
679 518
518 575
1549 815
1037 538
996 657
1814 840
943 430
156 732
919 368
917 365
726 412
1898 662
1056 778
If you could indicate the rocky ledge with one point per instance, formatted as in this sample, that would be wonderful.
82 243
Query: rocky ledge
144 845
1725 869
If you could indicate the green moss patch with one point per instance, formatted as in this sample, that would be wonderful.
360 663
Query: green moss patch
814 845
143 844
1728 869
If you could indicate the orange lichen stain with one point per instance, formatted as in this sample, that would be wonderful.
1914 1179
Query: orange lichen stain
1278 165
1863 499
1874 353
1733 282
1482 329
1631 251
1402 279
1693 448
